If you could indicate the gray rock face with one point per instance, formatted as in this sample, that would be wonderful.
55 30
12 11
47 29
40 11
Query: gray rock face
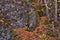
33 21
16 10
5 32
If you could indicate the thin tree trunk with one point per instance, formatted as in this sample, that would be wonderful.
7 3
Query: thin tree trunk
55 10
47 11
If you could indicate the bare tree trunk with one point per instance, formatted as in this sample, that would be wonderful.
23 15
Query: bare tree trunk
55 10
47 11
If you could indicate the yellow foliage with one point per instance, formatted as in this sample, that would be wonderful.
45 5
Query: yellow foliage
59 14
43 36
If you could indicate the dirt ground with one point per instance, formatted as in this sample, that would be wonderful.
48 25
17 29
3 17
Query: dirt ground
22 34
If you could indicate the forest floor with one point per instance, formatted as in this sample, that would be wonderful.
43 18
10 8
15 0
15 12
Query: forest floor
22 34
